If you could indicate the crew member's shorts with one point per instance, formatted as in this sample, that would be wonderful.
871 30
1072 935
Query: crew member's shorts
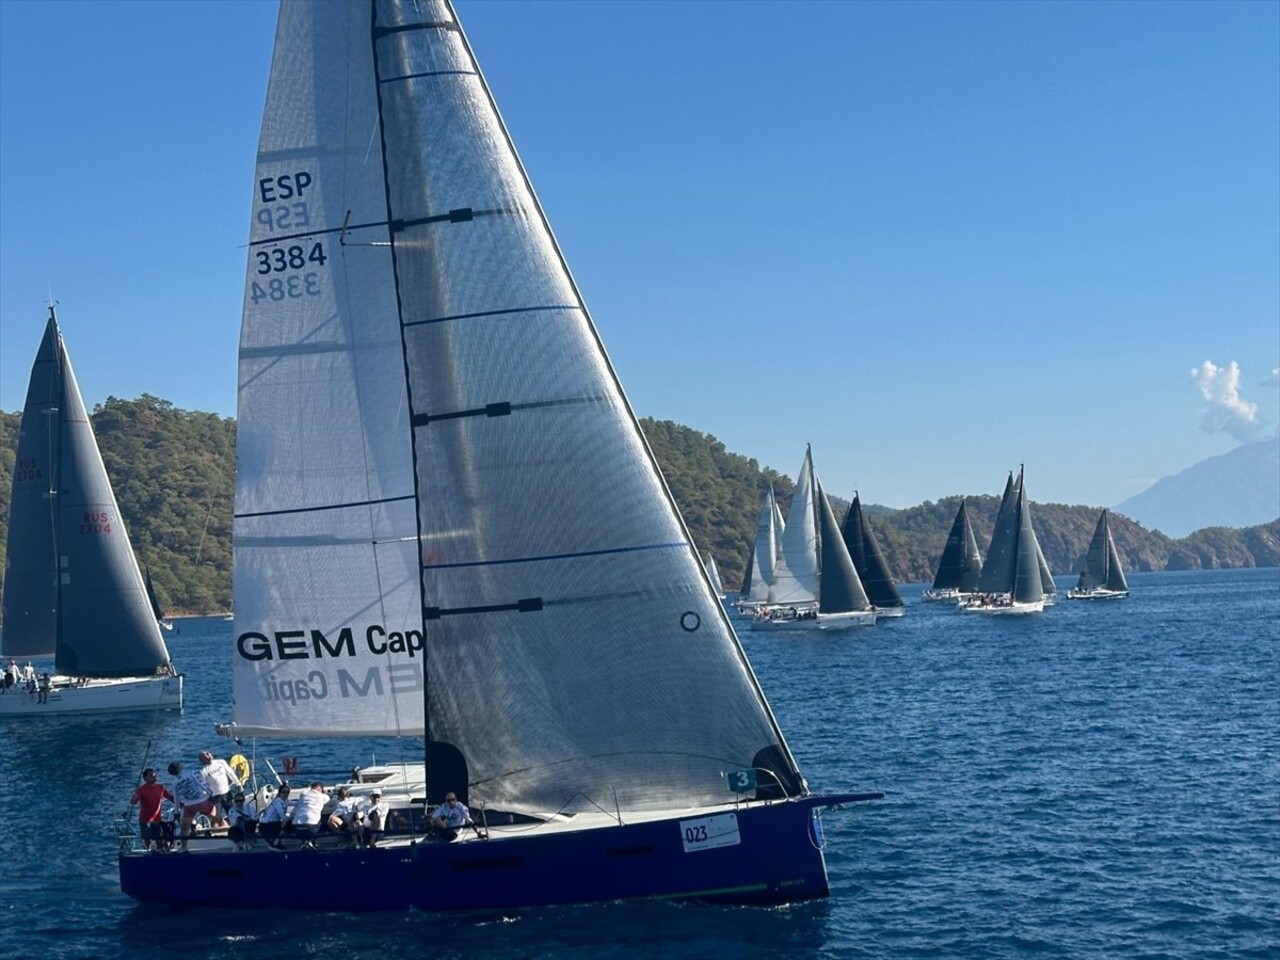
204 806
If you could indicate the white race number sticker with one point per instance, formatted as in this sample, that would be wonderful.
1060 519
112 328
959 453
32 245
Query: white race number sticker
707 833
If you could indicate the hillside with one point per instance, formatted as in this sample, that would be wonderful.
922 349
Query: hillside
173 473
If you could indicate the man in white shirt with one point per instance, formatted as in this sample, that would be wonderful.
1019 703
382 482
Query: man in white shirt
306 814
374 813
450 817
272 820
191 792
221 781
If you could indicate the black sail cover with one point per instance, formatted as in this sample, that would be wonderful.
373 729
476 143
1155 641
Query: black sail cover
868 559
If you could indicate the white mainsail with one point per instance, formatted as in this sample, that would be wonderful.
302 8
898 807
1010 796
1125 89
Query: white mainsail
448 522
795 579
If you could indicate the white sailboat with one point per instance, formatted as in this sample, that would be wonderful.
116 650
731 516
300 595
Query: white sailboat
713 574
1102 575
815 584
761 560
448 524
72 587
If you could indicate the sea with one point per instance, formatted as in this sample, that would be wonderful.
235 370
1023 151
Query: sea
1102 780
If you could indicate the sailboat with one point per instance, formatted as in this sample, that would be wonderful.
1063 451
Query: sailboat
1022 589
815 584
713 574
960 565
869 561
1102 576
448 524
761 559
72 587
156 612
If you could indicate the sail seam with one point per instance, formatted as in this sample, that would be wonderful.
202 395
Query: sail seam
555 556
327 506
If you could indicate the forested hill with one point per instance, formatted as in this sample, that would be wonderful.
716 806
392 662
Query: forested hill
173 472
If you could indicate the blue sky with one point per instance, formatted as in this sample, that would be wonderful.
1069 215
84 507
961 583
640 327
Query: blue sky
936 240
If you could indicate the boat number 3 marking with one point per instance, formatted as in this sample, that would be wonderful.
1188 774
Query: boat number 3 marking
696 834
95 523
690 621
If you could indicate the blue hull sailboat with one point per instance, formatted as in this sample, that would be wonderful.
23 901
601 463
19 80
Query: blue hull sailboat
419 380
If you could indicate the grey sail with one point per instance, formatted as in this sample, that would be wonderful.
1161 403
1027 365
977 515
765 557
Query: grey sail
1046 577
840 590
30 576
1025 585
151 595
764 553
101 616
1115 571
448 522
867 557
1101 566
997 569
961 563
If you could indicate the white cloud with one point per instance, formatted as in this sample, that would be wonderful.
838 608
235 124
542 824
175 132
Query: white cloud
1225 410
1272 379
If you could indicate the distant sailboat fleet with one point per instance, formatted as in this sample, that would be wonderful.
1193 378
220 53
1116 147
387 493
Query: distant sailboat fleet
800 575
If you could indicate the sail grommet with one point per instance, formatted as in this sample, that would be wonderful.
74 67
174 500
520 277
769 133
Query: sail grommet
690 621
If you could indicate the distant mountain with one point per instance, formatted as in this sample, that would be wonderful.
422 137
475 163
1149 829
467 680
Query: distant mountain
1240 488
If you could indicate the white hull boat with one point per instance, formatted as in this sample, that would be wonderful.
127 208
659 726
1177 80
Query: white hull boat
95 695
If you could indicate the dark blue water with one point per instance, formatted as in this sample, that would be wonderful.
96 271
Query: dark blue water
1101 781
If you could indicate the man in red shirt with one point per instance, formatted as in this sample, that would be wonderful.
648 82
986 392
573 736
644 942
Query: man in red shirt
149 796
